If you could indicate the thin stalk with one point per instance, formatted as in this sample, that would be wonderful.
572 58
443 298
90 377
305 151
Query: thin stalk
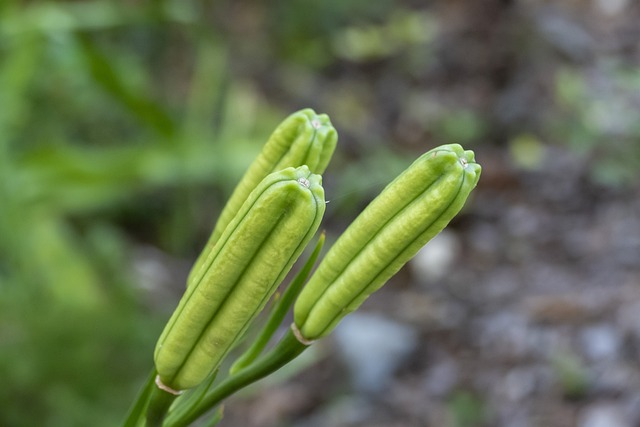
216 418
287 349
191 398
159 404
280 311
137 409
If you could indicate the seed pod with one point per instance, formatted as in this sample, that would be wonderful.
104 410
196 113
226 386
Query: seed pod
239 275
410 211
303 138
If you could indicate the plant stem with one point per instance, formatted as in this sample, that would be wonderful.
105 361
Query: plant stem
287 349
159 404
280 311
137 409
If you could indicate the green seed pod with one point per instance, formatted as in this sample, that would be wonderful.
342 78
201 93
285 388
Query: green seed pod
239 275
303 138
410 211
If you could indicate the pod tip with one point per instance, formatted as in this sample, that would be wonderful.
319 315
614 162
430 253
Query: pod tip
304 182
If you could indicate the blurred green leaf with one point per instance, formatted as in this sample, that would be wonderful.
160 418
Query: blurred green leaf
467 410
402 30
597 121
462 127
571 374
527 151
146 110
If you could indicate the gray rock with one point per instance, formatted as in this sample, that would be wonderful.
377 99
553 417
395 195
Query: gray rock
343 410
504 335
520 383
613 377
611 7
514 416
628 318
601 342
566 34
632 409
442 377
437 258
603 415
373 347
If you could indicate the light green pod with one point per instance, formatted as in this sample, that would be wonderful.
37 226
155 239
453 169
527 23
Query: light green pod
303 138
240 274
410 211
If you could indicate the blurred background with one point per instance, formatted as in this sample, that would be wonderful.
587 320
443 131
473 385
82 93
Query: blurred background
124 126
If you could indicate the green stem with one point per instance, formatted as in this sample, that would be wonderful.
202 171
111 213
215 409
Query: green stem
159 404
137 409
190 399
279 312
216 418
287 349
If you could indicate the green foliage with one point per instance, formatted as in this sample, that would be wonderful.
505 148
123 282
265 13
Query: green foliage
526 151
463 126
597 118
402 30
99 124
571 374
122 126
467 410
303 30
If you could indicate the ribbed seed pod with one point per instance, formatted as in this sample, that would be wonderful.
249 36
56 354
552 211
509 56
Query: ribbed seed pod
240 274
303 138
410 211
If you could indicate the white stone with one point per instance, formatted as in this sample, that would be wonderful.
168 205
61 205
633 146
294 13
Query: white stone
373 347
442 378
601 342
603 415
611 7
436 258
